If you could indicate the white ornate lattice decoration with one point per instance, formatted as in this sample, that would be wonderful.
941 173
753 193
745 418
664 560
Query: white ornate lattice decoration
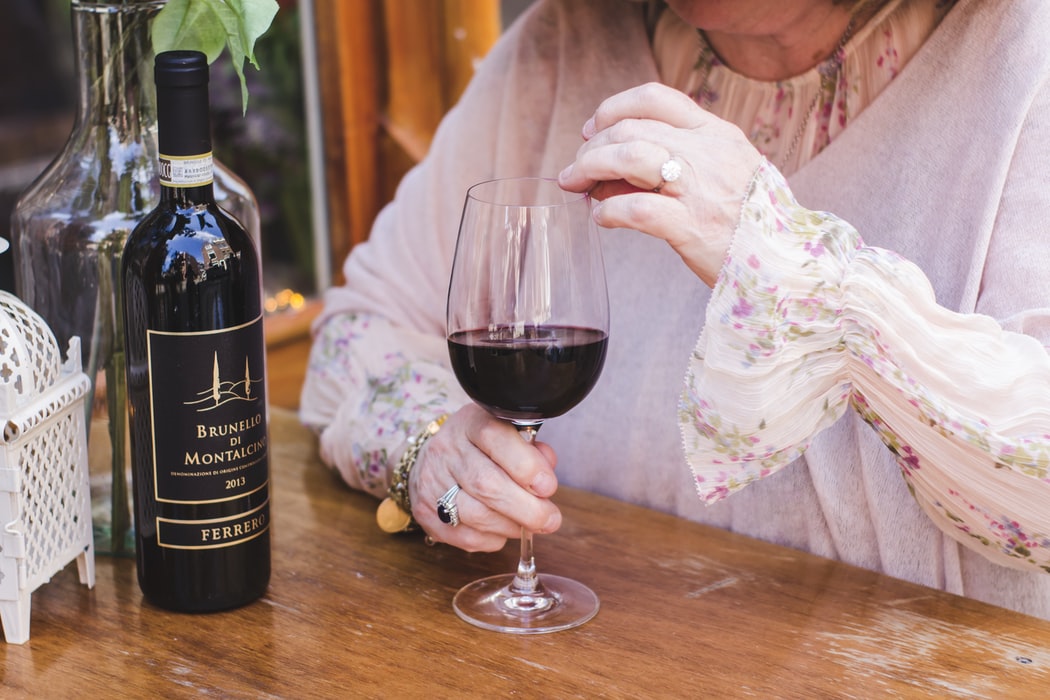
45 500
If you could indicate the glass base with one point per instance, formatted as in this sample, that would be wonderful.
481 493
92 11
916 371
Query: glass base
558 603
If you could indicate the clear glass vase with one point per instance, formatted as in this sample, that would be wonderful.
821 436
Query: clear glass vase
69 226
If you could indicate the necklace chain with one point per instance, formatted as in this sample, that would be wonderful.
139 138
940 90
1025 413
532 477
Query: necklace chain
830 73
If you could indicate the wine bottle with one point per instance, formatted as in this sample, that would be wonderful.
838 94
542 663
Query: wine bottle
195 372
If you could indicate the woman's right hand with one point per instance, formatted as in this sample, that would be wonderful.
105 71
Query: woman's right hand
506 483
629 140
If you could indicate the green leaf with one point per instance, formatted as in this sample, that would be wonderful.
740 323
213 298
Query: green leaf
253 18
210 25
190 25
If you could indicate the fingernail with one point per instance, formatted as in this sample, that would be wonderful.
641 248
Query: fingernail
564 174
552 523
588 129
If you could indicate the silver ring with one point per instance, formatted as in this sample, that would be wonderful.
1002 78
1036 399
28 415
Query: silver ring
670 171
447 510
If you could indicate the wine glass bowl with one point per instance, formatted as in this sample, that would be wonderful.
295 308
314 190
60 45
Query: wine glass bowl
529 374
528 323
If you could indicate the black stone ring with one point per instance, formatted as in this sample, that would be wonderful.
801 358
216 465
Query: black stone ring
446 507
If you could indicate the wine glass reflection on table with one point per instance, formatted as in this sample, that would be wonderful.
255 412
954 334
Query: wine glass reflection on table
528 324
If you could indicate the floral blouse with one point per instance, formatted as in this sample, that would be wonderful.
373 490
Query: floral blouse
806 321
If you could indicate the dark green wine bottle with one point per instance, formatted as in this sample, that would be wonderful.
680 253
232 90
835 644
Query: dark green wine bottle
196 372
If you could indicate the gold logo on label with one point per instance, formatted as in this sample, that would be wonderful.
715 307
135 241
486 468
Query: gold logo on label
224 391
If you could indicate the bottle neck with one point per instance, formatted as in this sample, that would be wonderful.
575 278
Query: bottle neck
185 165
186 180
114 81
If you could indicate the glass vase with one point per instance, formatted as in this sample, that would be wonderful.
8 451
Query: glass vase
69 226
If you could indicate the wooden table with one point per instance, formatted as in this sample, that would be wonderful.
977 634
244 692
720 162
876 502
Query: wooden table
687 611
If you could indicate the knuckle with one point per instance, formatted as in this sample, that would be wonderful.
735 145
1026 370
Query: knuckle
625 131
482 486
631 154
650 91
488 434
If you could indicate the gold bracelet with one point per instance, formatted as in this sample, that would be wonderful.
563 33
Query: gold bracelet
395 511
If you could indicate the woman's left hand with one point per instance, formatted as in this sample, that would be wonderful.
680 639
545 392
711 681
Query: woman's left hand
628 141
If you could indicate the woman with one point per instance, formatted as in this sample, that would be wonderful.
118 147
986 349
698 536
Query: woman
922 124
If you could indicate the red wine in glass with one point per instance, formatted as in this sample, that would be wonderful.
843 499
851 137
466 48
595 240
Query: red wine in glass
528 324
527 376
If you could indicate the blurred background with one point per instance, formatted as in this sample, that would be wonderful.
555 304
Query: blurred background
268 145
389 47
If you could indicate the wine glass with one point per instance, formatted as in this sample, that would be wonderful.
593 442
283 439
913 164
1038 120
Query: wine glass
528 324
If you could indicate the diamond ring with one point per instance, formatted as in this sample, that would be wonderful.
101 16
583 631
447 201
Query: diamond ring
670 171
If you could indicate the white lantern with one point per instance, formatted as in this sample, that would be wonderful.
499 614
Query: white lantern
45 499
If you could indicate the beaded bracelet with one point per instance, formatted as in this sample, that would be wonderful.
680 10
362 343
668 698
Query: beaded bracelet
395 511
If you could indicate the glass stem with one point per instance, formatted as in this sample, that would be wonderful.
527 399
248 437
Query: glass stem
525 580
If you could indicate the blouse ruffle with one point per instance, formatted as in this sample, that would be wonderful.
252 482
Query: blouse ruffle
806 321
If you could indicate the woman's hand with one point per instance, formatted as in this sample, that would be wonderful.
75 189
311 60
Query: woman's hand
506 482
630 137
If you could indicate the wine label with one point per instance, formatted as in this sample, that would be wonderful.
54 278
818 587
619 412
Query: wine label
208 421
185 171
214 532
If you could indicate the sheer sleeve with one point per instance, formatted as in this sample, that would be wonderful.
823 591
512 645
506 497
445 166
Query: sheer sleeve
806 322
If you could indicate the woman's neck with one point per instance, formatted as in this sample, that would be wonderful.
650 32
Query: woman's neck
772 41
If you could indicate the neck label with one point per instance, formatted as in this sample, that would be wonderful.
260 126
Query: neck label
185 171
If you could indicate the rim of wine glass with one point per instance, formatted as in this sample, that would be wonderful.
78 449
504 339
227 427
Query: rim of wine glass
570 197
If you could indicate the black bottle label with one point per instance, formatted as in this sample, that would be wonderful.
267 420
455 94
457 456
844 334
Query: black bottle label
208 419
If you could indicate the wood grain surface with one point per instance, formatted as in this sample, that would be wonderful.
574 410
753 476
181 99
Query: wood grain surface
687 611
